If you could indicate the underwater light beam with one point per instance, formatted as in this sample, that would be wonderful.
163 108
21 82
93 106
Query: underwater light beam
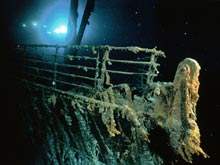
61 30
34 23
54 20
55 27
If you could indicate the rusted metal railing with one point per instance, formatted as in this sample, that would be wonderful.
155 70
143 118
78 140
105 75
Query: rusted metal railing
93 67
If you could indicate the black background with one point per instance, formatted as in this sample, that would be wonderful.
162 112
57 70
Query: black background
184 28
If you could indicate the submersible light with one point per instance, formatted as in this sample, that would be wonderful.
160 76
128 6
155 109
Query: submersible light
54 20
61 30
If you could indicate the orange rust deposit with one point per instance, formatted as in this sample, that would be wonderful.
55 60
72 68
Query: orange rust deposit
106 105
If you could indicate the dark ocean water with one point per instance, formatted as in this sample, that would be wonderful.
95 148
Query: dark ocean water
179 28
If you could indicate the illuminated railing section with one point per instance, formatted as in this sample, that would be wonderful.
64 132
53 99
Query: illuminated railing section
88 67
114 86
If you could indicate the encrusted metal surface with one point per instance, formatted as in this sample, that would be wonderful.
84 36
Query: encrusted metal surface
112 87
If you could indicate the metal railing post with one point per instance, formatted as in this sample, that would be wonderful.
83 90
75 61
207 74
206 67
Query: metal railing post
55 66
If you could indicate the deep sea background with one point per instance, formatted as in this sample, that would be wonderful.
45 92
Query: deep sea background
184 28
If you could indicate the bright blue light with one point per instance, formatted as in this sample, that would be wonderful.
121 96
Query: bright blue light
34 23
55 22
52 26
61 29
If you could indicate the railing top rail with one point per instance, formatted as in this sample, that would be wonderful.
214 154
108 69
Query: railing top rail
134 49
